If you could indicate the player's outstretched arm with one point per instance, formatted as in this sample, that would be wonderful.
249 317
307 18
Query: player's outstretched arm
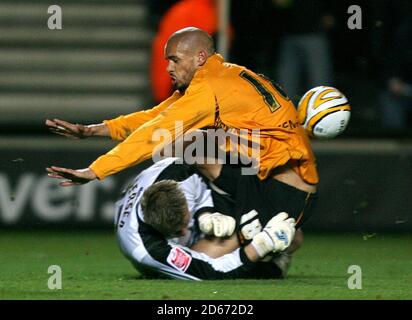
77 131
71 177
184 263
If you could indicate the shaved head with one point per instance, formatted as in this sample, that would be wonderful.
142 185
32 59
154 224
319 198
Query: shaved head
194 39
187 50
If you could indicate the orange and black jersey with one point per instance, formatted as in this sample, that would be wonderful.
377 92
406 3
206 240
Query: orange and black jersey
220 95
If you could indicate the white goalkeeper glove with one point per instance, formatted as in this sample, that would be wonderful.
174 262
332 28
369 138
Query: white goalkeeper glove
275 236
250 225
217 224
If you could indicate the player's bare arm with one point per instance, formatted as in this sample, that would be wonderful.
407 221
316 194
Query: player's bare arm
71 177
77 131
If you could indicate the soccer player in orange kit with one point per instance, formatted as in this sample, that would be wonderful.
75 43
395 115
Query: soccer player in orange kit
212 93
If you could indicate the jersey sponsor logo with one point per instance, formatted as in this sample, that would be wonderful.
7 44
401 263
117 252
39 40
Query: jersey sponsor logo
179 259
289 124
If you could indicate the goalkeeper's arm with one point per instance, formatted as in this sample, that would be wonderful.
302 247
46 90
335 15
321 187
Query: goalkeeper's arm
184 263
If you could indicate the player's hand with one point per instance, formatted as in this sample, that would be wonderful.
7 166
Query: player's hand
217 224
71 177
69 130
276 236
249 225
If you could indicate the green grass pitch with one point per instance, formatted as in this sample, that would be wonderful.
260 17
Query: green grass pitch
93 268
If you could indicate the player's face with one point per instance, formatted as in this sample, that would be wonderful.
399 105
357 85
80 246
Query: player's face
183 63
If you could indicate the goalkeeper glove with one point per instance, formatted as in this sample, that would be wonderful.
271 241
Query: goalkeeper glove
249 226
276 235
217 224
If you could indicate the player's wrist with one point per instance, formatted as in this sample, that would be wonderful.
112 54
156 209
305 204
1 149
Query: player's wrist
90 174
262 243
250 254
100 129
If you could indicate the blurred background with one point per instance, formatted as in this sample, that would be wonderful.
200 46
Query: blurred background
108 60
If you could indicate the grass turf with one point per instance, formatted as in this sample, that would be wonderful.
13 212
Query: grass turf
93 268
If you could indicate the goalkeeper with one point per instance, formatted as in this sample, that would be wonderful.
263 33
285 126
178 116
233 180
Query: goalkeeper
159 218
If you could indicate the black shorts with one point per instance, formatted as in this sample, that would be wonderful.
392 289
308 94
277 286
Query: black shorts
268 197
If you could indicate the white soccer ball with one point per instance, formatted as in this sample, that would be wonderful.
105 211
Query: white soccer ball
324 112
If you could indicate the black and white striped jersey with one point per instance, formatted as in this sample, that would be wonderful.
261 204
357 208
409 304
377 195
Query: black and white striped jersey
148 250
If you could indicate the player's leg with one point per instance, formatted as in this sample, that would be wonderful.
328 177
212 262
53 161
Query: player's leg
222 179
267 198
248 193
270 196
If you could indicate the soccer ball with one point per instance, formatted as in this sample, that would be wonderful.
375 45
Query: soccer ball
324 112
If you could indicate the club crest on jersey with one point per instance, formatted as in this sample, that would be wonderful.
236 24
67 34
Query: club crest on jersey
179 259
